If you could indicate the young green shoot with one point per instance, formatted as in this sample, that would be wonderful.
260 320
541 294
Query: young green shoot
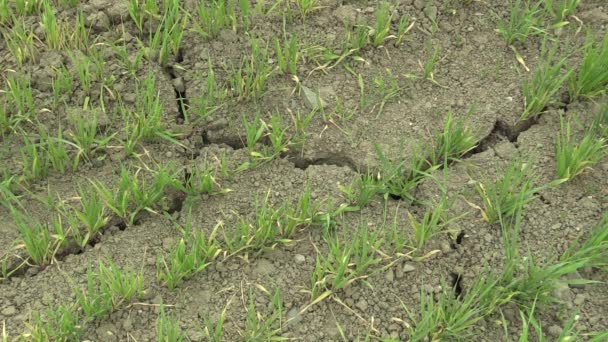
380 33
591 80
455 141
287 55
540 91
191 255
433 222
35 237
574 157
511 191
168 329
524 20
560 10
306 7
58 324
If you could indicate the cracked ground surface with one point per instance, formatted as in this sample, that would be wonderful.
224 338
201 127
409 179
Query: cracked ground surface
478 79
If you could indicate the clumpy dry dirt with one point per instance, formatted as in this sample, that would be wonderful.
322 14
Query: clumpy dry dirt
476 71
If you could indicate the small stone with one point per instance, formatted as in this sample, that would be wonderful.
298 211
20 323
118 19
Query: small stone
579 299
362 305
168 242
300 259
98 21
431 12
293 316
127 324
389 276
9 311
263 267
554 330
169 154
312 100
408 268
178 84
218 124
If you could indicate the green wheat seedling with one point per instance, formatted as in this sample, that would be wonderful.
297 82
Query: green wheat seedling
450 317
35 161
213 97
83 134
560 10
26 7
349 259
5 15
52 30
265 326
35 237
574 157
58 324
56 149
79 39
540 91
169 34
277 134
20 42
213 16
7 123
387 90
380 33
248 81
20 98
82 64
502 198
92 212
256 235
403 28
200 180
526 281
187 258
428 67
108 289
62 85
400 180
529 321
455 141
434 221
361 190
306 7
92 302
287 55
117 199
600 123
214 330
168 329
146 122
254 131
300 125
130 64
525 19
592 77
120 285
136 14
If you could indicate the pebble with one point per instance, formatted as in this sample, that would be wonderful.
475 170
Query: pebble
312 100
294 316
579 299
554 330
178 84
300 259
362 305
389 276
408 268
9 311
